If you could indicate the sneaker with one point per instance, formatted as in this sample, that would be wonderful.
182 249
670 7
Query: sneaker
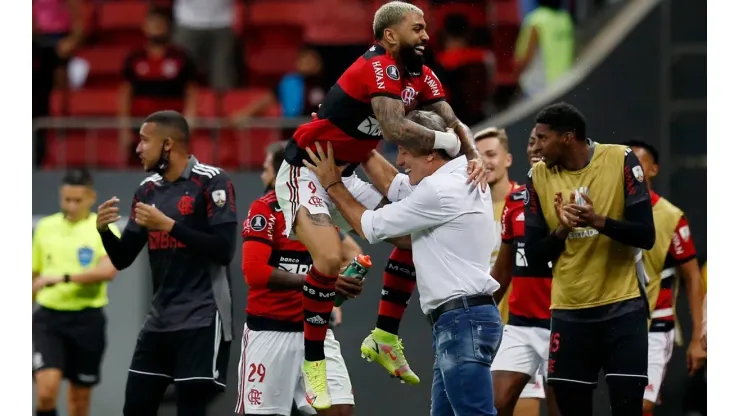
387 350
317 389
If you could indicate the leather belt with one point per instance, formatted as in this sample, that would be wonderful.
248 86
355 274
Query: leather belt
459 303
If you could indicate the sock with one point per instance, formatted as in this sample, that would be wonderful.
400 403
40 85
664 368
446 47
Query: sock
399 280
52 412
318 301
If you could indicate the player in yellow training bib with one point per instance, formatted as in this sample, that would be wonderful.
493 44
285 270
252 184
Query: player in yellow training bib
588 211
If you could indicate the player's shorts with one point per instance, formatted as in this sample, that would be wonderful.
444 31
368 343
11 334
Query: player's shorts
297 187
660 349
71 341
535 389
524 349
197 355
578 350
270 378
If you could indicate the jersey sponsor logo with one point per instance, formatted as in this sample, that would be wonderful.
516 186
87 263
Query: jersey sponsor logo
433 85
520 217
379 79
186 205
637 172
392 72
677 246
370 126
580 192
521 258
85 256
219 197
316 320
295 268
522 195
408 95
583 233
258 223
684 232
162 240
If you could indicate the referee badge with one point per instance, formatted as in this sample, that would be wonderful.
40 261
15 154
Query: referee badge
219 197
85 256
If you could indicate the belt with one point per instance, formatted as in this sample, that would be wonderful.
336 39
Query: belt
459 303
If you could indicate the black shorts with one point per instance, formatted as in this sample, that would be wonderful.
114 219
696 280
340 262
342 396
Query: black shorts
71 341
619 346
185 356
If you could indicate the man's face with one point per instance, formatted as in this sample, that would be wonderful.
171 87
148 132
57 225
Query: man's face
550 144
76 201
157 29
412 39
533 155
417 167
309 63
496 159
151 145
268 173
648 163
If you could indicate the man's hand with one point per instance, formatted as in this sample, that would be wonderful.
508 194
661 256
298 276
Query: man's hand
566 219
349 287
108 213
324 167
337 311
584 215
477 173
696 356
44 281
151 218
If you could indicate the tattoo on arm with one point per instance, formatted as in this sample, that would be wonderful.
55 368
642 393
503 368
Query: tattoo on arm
320 219
398 129
467 144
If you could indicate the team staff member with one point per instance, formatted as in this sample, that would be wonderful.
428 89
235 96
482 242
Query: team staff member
588 212
274 268
673 252
186 211
518 367
443 217
70 274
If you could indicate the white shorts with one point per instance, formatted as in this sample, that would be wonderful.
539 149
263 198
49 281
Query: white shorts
270 378
523 350
535 389
298 187
660 349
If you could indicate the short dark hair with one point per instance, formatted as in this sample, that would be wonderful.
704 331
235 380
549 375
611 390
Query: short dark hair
562 118
160 11
553 4
645 145
457 25
78 177
173 120
277 150
432 121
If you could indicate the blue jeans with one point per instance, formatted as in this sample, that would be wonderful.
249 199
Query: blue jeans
465 341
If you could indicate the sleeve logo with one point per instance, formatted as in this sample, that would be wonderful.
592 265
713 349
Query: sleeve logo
219 197
392 72
684 233
637 171
258 223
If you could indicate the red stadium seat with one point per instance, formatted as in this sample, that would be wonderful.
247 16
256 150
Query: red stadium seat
277 12
237 99
239 18
507 13
202 147
246 147
59 102
475 12
271 52
120 22
77 148
207 103
93 102
106 65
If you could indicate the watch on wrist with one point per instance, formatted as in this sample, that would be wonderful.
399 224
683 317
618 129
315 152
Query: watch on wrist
66 278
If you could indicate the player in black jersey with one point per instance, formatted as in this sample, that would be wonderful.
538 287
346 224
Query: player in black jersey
186 212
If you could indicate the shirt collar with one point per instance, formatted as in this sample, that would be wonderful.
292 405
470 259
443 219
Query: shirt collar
192 161
654 197
452 165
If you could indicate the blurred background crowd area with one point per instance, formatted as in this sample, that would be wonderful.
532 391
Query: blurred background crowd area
247 72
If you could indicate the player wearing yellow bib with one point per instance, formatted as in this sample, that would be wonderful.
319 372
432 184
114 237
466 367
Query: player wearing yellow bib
588 211
673 253
70 270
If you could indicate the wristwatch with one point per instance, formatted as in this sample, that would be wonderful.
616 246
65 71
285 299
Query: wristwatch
66 278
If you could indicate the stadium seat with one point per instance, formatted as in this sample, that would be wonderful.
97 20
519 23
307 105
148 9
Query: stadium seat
270 53
207 103
238 99
245 148
120 22
239 19
76 148
277 12
506 13
476 12
202 146
106 65
59 102
93 102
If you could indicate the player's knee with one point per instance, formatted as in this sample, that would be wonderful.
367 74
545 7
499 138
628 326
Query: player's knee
79 400
647 407
46 397
329 263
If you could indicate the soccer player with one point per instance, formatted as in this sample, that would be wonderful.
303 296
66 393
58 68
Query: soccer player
186 215
70 274
274 268
521 360
673 252
588 212
368 103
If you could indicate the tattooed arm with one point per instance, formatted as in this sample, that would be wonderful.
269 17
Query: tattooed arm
467 144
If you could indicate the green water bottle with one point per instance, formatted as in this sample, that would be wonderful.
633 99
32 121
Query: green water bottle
357 269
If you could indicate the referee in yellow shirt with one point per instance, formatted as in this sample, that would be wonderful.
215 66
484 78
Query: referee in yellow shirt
70 272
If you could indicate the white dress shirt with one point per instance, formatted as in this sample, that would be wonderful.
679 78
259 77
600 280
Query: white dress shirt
450 224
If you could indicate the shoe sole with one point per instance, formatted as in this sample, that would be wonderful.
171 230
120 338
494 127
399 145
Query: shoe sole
370 355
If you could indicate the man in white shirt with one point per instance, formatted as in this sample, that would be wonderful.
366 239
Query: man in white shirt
449 223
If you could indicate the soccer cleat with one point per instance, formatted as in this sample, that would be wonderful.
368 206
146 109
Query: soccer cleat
314 380
387 350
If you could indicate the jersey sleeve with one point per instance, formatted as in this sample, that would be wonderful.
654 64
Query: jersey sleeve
100 249
682 247
635 184
432 90
38 254
220 200
533 216
382 77
131 225
512 208
260 224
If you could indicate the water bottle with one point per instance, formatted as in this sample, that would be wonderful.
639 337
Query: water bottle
357 269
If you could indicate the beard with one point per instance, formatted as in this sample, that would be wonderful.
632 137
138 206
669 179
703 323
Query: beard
411 60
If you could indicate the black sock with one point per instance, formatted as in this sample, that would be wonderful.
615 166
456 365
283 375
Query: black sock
625 395
193 399
52 412
574 399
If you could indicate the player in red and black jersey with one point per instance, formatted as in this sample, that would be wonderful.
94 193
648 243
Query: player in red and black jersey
524 348
368 103
673 253
274 268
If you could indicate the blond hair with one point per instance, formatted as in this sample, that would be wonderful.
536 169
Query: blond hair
391 14
493 133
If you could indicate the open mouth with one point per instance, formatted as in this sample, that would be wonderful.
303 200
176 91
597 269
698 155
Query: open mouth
419 50
535 159
407 171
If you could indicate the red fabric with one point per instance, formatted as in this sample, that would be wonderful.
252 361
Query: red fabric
405 286
316 305
455 58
